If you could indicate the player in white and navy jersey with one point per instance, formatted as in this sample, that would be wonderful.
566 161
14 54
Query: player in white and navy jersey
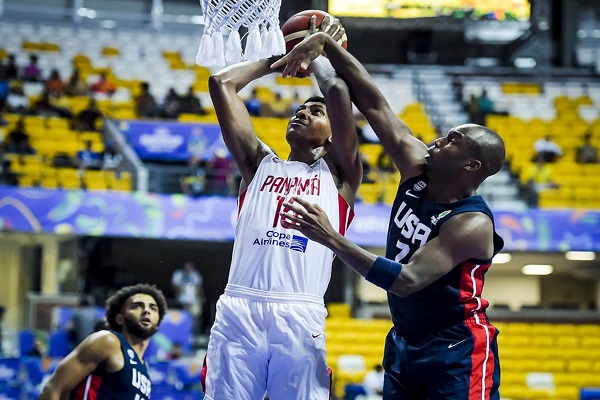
268 336
441 241
110 365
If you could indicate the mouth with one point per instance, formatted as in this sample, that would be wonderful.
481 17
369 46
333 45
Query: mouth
298 121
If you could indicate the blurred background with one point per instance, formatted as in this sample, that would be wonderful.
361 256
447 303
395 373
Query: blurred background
113 172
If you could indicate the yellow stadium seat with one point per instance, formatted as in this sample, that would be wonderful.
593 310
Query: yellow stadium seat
339 310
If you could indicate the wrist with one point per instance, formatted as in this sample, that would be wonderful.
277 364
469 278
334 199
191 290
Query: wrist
384 272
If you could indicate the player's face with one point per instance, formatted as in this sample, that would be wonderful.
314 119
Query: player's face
140 314
309 123
450 152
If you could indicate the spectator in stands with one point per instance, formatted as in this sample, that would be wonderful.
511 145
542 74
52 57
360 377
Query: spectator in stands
278 108
111 358
32 72
16 101
190 104
11 71
253 104
373 381
171 105
17 140
176 352
145 103
218 170
587 153
194 182
88 158
39 348
189 291
51 106
294 104
539 177
76 86
87 119
103 87
547 149
485 106
110 158
54 84
83 321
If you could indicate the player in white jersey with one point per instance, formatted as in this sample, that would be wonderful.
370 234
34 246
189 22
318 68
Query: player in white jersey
268 335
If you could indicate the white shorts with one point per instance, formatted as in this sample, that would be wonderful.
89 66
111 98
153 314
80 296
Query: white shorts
267 343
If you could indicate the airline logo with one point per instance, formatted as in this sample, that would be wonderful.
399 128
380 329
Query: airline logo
282 239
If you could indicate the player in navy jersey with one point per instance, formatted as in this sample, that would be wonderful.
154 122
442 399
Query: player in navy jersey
441 240
268 335
109 365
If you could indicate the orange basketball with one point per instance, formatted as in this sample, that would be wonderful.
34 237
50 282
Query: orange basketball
298 26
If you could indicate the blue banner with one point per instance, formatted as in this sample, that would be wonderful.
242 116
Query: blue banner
213 218
172 141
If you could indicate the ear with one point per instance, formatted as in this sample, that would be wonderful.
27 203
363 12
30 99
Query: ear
119 319
473 165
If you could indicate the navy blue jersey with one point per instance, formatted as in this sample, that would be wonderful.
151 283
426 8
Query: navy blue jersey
132 382
452 298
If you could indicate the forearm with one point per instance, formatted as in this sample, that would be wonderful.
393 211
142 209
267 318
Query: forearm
239 75
352 255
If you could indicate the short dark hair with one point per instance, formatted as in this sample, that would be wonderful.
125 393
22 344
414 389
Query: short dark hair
315 99
488 147
115 303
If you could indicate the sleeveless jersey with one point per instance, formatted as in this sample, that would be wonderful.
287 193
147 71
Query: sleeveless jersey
270 258
132 382
455 296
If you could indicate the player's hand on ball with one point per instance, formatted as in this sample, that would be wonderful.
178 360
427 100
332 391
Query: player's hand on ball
301 56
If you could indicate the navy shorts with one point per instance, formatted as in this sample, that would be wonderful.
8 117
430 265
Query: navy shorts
457 363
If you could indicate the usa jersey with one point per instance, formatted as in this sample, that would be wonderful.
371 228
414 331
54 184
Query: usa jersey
455 296
267 256
132 382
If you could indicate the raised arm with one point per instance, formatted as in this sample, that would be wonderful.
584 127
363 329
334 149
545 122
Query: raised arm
463 237
396 137
235 122
344 147
82 361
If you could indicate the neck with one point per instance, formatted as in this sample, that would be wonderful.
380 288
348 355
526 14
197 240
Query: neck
138 345
307 157
440 191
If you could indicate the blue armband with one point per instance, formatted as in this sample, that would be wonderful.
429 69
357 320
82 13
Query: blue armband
384 272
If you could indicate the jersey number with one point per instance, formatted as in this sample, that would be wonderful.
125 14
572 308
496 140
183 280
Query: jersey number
278 218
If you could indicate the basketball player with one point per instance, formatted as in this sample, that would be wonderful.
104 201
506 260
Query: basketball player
441 241
109 365
268 335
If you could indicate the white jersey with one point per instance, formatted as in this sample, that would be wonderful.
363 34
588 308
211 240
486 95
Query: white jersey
270 258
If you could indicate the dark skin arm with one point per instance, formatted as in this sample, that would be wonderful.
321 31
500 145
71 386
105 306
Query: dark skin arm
97 348
462 237
235 122
406 151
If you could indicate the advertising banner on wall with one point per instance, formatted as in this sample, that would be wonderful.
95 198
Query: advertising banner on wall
213 219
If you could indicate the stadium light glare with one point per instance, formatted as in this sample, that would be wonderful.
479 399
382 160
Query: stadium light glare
501 258
198 19
525 62
580 255
537 269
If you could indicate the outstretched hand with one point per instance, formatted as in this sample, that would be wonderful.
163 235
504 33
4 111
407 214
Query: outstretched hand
303 54
309 219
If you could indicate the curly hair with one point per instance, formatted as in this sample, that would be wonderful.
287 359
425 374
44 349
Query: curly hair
115 303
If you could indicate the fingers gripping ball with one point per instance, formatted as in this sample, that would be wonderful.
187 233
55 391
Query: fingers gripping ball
298 26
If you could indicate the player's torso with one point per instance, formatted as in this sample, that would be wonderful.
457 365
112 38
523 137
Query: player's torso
132 382
267 256
415 221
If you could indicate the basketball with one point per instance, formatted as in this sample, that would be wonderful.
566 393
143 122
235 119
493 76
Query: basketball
298 26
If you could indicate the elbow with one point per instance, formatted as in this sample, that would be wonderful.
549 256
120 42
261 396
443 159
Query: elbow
404 286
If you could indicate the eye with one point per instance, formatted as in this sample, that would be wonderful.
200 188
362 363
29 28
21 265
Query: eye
318 111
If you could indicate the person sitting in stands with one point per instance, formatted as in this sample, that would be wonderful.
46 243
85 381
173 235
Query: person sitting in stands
88 158
587 153
190 104
54 84
17 140
32 72
145 104
87 119
103 87
547 149
277 108
253 104
76 86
